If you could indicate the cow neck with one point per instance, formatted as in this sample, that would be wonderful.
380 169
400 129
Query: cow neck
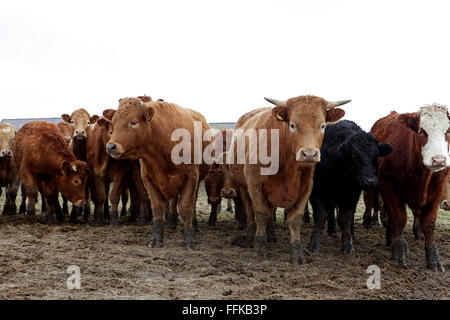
6 164
79 148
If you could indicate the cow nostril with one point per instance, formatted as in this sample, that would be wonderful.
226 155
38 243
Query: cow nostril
111 147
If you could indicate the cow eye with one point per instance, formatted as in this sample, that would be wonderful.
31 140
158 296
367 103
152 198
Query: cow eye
292 126
133 124
72 122
88 122
76 181
322 127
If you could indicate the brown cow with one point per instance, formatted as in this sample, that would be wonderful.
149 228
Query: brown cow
81 123
214 179
415 174
45 163
300 123
144 131
9 177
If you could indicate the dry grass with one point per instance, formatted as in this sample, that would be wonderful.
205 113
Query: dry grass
116 263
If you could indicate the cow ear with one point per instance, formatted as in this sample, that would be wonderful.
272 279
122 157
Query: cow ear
66 167
148 113
94 119
280 113
66 117
410 121
103 123
109 113
334 114
384 149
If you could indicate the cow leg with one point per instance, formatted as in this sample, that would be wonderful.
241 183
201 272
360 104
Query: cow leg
12 194
57 209
240 212
320 214
172 215
306 216
31 190
87 207
331 224
345 217
74 214
427 222
186 208
270 231
417 229
368 203
65 207
124 200
213 215
23 202
396 223
99 199
159 207
106 213
145 210
114 197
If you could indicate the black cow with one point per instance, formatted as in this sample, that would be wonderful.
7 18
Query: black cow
348 165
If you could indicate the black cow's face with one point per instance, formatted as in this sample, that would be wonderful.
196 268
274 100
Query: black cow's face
363 152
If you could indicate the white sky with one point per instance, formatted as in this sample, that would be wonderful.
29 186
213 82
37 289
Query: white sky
222 57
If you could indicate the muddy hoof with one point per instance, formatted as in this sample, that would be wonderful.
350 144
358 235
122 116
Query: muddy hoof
367 222
211 222
261 246
141 222
433 260
297 253
398 252
155 244
189 237
347 247
114 222
418 234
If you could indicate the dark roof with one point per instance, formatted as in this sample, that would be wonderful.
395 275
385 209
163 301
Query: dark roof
17 123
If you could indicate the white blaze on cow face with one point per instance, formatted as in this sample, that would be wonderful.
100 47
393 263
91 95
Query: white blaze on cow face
435 123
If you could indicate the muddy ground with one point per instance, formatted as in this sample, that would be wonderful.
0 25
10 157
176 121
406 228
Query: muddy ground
116 263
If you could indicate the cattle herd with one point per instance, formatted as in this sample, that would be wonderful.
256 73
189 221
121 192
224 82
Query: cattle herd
126 155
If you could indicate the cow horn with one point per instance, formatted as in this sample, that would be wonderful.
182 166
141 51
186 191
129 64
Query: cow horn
332 104
276 102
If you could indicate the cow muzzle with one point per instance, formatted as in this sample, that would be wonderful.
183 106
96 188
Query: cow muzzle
445 204
228 193
80 134
79 203
370 182
6 153
68 139
308 155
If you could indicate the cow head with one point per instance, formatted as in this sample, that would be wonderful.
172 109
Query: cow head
80 120
131 128
214 182
305 118
431 124
7 134
66 130
73 180
360 153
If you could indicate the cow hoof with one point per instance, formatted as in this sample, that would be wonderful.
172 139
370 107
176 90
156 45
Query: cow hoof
141 222
155 244
433 260
418 234
189 237
399 251
314 244
211 222
271 238
297 253
332 234
261 246
113 222
375 222
347 249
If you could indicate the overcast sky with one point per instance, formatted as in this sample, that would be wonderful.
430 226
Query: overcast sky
222 57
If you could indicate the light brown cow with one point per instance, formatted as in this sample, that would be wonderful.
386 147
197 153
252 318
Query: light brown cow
81 123
45 163
144 131
300 122
9 177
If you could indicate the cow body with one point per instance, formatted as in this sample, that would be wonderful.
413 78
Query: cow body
349 158
300 123
144 131
415 174
46 164
9 177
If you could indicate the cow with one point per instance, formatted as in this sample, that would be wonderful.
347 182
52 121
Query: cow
373 202
45 163
300 123
415 174
348 165
144 131
214 179
80 122
123 174
9 177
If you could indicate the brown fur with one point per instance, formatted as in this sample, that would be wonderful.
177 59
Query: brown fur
291 186
404 180
9 177
150 141
45 162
